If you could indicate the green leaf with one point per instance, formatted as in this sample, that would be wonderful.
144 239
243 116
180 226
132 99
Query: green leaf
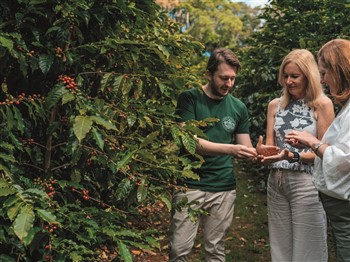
138 89
149 139
125 159
67 97
24 222
124 252
46 215
82 126
131 119
6 42
11 201
14 210
7 158
189 143
6 145
45 62
35 192
10 118
103 122
118 83
165 199
187 173
126 87
123 189
55 95
6 191
98 138
19 120
105 80
164 50
142 191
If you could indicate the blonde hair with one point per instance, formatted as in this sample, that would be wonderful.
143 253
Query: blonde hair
306 62
335 55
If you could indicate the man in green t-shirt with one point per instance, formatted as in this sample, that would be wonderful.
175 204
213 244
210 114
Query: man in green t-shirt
215 192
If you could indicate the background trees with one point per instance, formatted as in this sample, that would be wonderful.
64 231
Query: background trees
219 23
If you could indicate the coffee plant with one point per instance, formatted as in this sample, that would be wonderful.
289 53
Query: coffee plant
88 131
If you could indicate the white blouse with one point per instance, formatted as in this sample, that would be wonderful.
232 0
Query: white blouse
331 174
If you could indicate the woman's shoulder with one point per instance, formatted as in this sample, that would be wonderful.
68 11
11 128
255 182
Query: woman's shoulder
324 103
274 102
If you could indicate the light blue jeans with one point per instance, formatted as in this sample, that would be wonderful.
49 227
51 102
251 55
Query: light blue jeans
183 231
297 221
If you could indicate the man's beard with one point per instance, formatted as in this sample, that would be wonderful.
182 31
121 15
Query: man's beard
214 90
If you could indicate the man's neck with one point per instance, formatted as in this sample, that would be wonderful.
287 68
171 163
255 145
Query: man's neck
208 91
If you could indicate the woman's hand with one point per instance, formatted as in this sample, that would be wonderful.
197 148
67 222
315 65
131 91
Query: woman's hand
283 155
265 150
301 139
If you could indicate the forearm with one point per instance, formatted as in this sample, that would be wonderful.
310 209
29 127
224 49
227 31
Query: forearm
208 148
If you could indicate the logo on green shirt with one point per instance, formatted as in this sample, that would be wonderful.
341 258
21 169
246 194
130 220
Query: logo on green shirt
228 124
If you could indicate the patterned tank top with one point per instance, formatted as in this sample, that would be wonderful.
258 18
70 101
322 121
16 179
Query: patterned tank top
296 116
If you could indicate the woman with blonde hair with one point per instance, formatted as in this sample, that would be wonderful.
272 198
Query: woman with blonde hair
297 222
331 175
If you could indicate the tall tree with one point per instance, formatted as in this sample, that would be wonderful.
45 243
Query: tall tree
219 23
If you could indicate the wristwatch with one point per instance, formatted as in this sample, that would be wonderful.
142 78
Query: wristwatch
296 158
317 146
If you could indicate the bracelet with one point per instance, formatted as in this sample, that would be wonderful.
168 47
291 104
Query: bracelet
317 146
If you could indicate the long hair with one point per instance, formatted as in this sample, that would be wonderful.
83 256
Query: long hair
222 55
335 55
308 66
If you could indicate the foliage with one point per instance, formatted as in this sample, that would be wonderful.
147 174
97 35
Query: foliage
220 23
287 25
88 131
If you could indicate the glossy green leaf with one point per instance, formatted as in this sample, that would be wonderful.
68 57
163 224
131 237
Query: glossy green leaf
124 252
46 215
82 126
149 139
103 122
24 222
98 138
189 143
142 190
45 62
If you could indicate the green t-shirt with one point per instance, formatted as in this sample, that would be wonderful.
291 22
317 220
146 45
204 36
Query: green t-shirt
217 172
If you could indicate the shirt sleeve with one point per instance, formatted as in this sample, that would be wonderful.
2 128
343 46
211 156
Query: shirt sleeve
336 160
185 108
244 123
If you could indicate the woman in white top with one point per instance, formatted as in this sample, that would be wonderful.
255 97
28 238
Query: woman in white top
331 174
297 221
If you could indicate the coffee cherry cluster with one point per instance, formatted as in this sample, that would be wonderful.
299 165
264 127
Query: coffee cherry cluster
47 185
68 82
58 51
22 97
49 188
27 142
86 194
